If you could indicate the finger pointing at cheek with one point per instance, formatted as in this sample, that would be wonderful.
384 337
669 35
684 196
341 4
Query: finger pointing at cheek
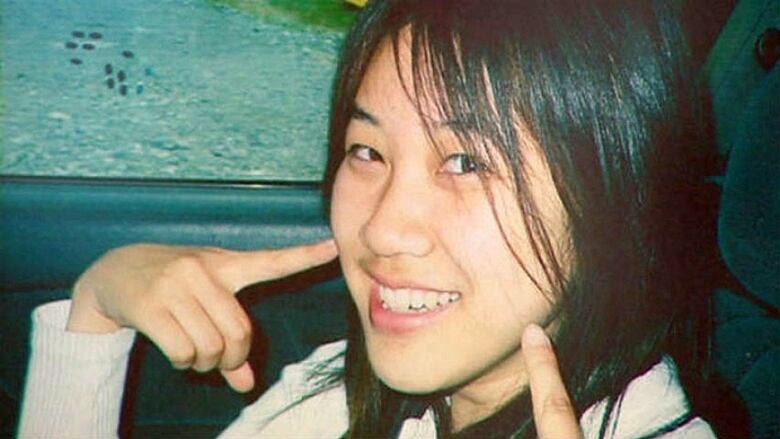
183 299
553 413
241 269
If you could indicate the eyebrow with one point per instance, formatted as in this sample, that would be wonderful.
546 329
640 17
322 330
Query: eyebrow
359 113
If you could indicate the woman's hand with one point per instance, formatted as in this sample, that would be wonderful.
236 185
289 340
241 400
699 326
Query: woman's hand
553 413
182 298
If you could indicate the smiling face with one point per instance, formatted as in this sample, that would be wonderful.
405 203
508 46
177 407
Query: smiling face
426 237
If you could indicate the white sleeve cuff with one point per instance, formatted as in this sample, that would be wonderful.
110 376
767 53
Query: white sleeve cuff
74 381
49 334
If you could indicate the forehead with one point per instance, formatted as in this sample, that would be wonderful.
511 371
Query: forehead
385 75
395 84
392 79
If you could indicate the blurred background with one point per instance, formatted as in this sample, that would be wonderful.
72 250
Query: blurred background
169 89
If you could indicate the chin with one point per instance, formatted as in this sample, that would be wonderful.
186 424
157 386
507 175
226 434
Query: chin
410 383
408 373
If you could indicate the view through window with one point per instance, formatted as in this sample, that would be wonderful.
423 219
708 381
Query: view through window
168 89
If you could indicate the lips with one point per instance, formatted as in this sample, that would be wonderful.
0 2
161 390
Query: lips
402 310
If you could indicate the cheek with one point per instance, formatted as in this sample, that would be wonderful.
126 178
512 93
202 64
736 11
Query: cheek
348 212
505 295
344 208
497 260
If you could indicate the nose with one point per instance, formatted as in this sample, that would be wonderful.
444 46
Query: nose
401 222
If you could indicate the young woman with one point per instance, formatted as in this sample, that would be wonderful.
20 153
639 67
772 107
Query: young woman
500 175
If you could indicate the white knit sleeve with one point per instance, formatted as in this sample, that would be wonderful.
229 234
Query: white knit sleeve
74 380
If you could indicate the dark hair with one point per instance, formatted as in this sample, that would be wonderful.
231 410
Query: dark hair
606 89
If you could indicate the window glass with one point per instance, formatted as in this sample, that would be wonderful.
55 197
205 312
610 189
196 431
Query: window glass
168 89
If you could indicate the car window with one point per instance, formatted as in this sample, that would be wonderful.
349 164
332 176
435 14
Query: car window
168 89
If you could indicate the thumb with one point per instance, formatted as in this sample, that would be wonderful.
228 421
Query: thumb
241 379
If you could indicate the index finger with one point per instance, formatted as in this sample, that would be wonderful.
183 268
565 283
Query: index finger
246 268
553 412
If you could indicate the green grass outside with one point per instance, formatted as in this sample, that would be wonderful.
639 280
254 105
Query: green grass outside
328 14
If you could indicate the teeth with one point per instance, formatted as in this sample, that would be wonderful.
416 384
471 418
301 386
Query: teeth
406 300
401 298
431 300
416 299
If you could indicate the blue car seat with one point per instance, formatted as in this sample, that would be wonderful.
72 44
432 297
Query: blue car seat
746 91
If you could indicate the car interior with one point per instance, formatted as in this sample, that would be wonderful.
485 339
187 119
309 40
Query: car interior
53 224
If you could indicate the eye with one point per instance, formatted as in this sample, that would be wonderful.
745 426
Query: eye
364 153
462 163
